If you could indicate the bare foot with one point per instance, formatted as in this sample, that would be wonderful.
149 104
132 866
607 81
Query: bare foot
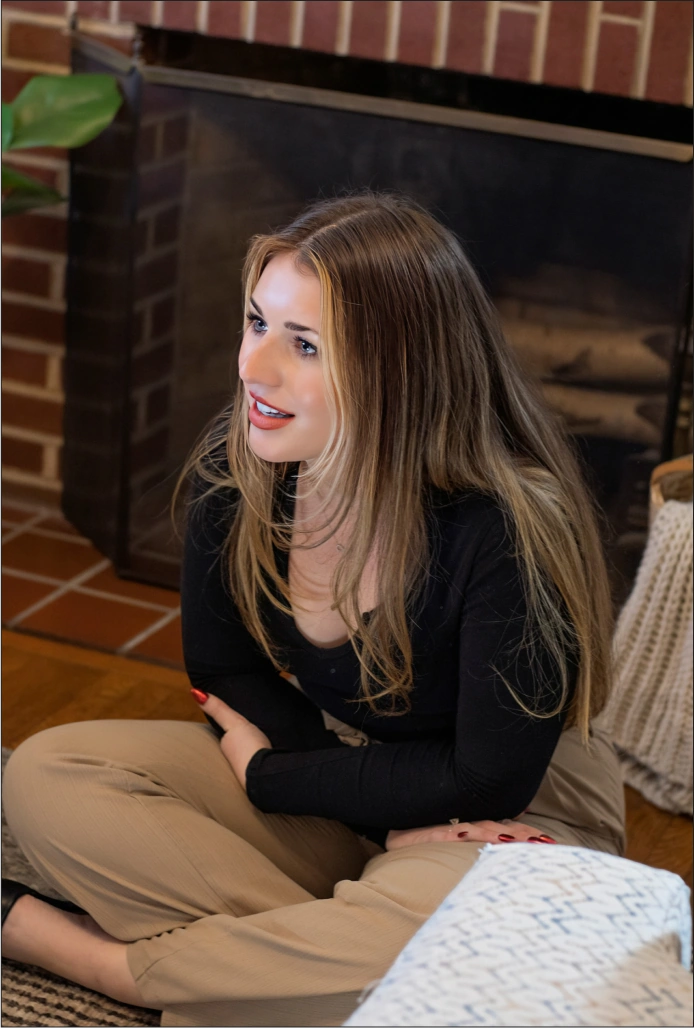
30 925
70 945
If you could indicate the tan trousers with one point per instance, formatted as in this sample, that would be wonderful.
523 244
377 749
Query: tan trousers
236 917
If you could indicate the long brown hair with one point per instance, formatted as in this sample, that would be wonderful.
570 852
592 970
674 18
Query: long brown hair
425 393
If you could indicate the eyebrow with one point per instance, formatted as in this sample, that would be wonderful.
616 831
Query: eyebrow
291 325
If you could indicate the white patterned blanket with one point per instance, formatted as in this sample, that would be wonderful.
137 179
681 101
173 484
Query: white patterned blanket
546 935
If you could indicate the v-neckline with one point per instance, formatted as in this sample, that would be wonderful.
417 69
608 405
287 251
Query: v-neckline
287 500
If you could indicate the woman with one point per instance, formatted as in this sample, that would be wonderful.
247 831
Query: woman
389 542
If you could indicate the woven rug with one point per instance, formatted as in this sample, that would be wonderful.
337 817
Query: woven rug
31 996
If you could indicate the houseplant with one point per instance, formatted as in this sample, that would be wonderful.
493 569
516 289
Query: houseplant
52 110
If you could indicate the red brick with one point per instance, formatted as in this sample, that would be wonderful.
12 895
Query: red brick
167 227
20 319
629 8
224 18
174 136
158 100
49 176
466 35
180 14
21 275
149 451
368 36
163 317
672 35
320 25
28 412
147 144
13 82
22 454
138 11
417 24
152 366
29 42
155 276
514 45
114 42
614 69
23 366
94 9
157 405
141 236
160 184
37 231
565 41
37 6
272 22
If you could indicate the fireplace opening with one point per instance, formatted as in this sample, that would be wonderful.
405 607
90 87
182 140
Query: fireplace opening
575 210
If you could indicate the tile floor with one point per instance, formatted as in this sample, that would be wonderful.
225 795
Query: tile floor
54 583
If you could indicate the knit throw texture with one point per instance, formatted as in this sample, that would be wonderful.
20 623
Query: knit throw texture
649 714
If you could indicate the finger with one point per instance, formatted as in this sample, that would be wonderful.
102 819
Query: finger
512 831
217 709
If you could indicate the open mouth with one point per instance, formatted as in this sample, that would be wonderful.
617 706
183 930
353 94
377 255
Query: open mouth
268 411
271 412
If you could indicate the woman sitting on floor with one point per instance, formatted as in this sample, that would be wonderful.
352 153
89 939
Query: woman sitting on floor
396 617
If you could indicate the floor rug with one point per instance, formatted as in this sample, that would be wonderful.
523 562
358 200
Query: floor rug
31 996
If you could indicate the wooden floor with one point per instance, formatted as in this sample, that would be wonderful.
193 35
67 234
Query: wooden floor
49 683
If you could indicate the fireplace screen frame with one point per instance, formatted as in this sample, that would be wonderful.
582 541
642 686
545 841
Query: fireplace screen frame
106 195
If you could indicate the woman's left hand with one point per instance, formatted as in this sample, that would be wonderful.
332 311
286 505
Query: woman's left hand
241 739
509 830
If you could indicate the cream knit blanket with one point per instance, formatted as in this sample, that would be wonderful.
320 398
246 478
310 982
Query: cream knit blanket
649 714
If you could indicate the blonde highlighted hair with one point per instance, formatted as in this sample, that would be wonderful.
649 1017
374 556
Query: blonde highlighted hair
426 393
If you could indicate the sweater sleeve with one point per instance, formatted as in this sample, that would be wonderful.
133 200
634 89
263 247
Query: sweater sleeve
221 656
493 766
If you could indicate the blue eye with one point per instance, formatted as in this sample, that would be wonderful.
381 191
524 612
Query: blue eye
304 342
254 320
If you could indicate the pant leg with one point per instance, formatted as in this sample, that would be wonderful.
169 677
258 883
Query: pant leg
307 961
301 965
307 964
581 797
144 824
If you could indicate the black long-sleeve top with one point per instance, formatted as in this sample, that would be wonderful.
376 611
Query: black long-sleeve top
466 749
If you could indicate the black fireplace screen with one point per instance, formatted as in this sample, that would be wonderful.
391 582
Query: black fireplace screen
585 251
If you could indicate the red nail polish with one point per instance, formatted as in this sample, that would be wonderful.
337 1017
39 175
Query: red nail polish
548 838
507 838
534 838
461 835
199 696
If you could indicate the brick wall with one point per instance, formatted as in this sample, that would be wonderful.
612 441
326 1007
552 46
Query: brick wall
638 49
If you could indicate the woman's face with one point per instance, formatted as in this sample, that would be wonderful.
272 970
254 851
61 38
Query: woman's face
280 365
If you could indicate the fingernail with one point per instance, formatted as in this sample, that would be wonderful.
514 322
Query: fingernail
461 835
548 838
534 838
199 696
507 838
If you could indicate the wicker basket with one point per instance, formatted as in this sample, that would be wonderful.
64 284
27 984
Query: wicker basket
670 481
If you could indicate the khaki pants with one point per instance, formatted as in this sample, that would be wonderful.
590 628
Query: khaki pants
236 917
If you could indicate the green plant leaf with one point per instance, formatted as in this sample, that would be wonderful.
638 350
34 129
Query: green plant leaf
63 110
20 203
25 193
7 125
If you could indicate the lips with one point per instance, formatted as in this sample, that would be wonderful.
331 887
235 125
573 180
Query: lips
274 407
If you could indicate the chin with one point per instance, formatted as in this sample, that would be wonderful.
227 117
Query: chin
272 450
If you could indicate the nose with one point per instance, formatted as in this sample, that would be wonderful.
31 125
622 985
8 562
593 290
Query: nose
259 361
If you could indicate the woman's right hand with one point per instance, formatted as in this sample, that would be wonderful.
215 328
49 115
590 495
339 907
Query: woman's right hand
467 831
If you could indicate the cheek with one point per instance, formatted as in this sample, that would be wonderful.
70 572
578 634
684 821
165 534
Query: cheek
314 397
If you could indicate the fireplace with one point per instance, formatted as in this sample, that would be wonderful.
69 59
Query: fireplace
575 209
